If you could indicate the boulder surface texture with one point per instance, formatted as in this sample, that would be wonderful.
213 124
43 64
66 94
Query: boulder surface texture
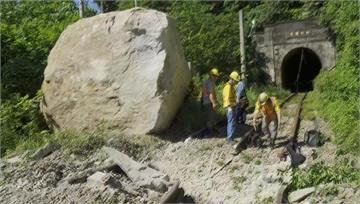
125 70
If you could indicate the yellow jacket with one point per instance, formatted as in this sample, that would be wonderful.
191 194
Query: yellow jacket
229 96
269 110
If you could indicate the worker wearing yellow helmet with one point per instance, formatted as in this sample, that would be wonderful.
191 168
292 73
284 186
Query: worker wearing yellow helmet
229 99
270 110
208 100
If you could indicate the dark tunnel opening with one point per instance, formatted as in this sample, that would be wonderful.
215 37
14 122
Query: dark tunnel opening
299 69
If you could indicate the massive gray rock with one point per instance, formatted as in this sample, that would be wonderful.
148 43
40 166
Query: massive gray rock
125 69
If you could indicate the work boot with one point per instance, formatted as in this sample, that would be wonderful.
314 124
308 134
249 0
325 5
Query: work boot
272 143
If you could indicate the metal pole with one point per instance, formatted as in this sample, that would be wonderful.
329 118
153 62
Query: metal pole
242 43
101 6
135 1
81 8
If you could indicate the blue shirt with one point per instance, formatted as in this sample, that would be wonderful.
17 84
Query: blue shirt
240 90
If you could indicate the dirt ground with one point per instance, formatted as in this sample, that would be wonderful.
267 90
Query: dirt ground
256 175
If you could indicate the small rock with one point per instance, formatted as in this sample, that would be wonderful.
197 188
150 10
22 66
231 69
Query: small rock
2 164
188 140
283 165
301 194
347 193
356 164
14 159
158 186
45 151
154 196
165 177
99 178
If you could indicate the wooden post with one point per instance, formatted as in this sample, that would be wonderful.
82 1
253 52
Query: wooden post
242 43
81 8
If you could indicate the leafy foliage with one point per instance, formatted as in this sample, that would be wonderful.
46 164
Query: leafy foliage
209 40
22 122
319 173
29 29
338 90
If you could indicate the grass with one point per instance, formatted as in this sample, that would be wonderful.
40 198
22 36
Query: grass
319 173
30 143
268 200
233 168
237 181
206 146
80 143
247 158
85 143
257 162
329 190
310 106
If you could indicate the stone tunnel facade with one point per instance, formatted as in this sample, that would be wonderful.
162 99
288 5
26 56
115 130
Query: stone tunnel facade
282 47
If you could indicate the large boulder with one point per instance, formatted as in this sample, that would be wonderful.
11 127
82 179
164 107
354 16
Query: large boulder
125 70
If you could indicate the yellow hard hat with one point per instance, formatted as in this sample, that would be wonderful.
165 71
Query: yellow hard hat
215 72
235 76
263 97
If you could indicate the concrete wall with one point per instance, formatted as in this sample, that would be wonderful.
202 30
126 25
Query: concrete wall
279 39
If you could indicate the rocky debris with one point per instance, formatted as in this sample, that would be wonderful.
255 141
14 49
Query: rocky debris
82 176
41 181
14 159
45 151
100 178
173 194
252 177
139 173
334 193
301 194
127 70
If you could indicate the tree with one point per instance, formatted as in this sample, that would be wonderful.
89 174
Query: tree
29 30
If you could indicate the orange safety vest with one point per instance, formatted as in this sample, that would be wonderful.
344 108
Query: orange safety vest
269 110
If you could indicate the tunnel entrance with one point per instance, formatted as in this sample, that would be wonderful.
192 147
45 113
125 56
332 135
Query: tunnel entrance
299 68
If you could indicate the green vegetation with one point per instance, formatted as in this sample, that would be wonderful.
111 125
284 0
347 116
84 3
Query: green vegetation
29 29
247 158
253 92
237 181
329 190
320 173
79 143
22 125
338 90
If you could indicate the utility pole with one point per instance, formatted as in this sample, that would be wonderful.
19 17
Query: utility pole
101 6
81 8
242 43
135 1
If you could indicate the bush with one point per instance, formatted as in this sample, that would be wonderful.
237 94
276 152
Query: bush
338 90
22 124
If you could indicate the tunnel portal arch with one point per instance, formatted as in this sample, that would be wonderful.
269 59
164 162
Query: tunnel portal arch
299 68
279 45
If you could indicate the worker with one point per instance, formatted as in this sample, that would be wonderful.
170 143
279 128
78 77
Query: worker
270 110
242 102
229 97
209 101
